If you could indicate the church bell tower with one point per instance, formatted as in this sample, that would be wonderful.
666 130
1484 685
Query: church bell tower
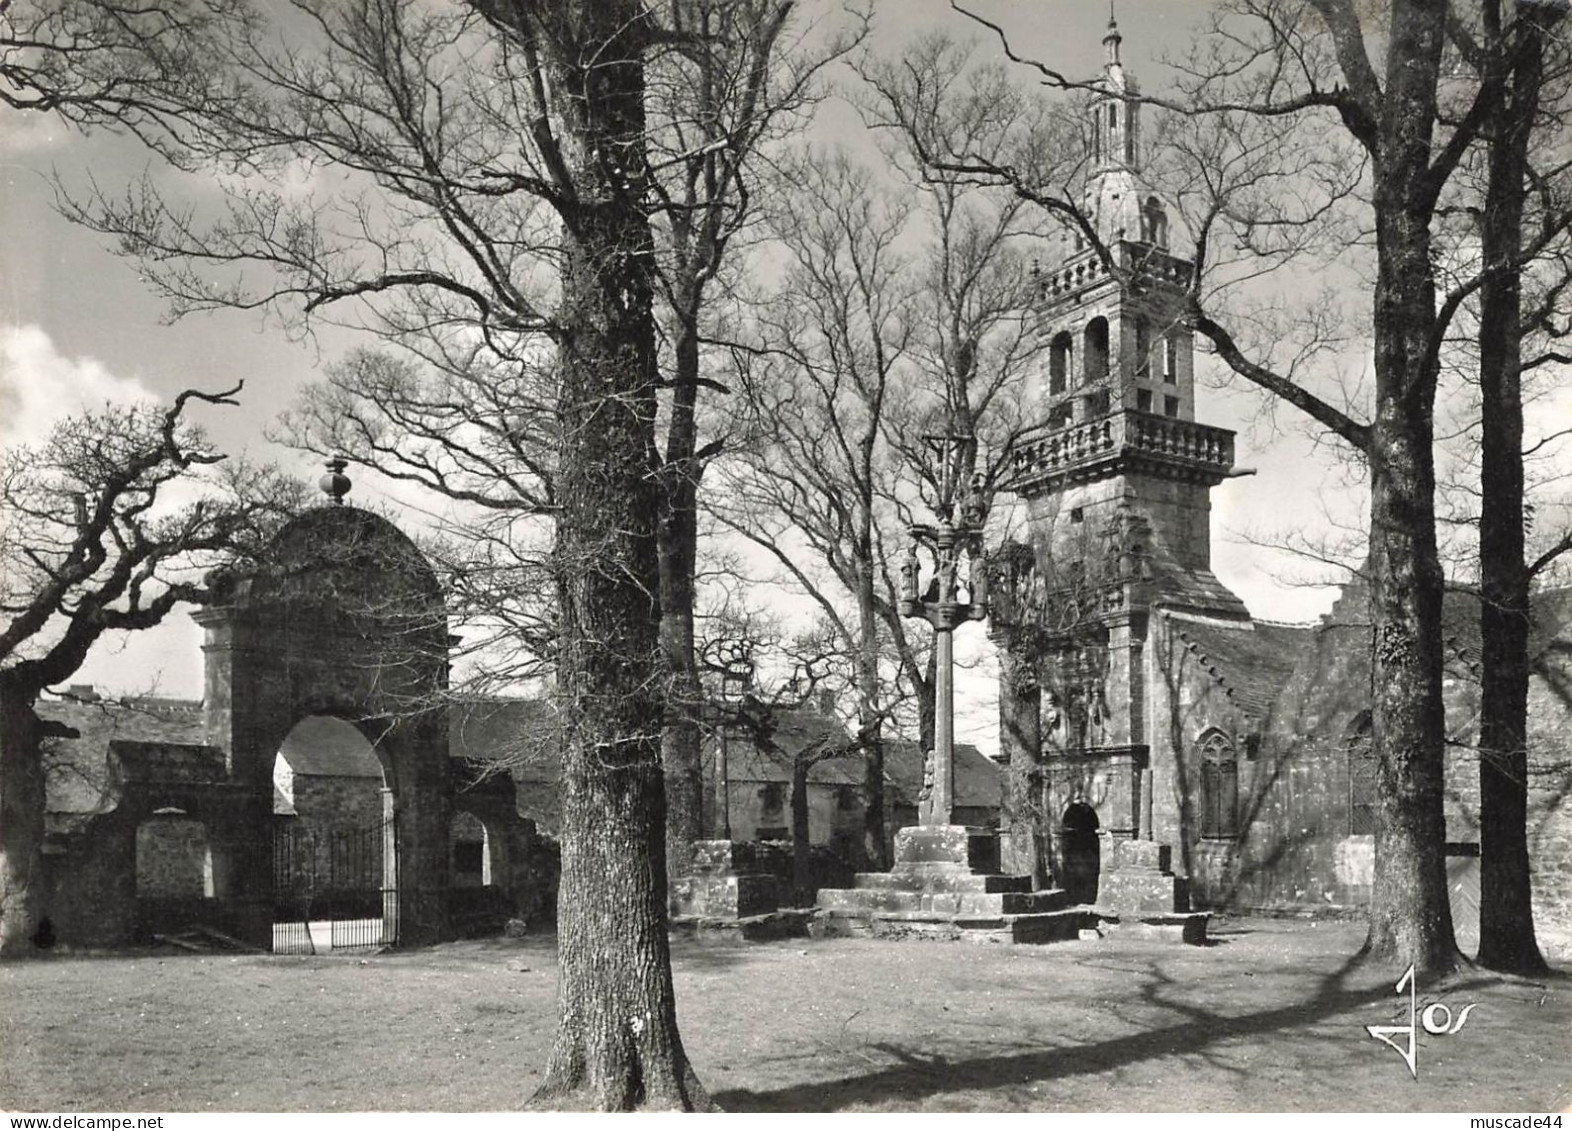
1117 475
1116 440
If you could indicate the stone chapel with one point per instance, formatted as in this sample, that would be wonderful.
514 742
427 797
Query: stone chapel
1139 698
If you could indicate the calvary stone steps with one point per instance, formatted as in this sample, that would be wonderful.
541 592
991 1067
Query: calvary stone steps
946 884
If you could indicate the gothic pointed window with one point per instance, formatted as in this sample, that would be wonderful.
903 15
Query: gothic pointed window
1362 769
1219 785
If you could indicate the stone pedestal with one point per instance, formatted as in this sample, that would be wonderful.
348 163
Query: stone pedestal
727 895
946 884
1138 891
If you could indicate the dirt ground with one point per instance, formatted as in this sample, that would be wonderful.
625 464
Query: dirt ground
1269 1017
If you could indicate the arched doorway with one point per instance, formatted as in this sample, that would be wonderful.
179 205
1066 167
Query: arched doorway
469 845
335 845
1080 853
341 617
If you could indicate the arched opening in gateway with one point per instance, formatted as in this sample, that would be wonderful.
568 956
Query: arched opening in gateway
1080 853
469 852
335 843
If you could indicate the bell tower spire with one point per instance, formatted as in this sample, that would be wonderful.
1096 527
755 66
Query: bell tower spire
1117 429
1112 40
1116 112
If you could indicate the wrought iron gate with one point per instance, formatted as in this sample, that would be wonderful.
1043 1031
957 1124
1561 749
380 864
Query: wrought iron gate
337 878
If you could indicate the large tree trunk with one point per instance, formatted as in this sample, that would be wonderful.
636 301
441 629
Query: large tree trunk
870 725
681 742
1506 918
801 836
617 1044
1020 742
22 800
1410 915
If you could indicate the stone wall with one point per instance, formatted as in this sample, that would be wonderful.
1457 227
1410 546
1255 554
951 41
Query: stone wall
1301 849
1185 701
174 860
333 803
752 813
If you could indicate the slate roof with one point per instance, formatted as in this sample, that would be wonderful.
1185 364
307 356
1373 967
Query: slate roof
518 737
1551 612
82 777
329 748
979 782
795 732
1251 662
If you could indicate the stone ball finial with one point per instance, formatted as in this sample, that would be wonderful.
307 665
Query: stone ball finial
335 484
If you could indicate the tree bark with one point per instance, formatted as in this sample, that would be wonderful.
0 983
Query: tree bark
870 724
22 800
681 741
1020 741
1410 913
617 1044
1506 917
801 834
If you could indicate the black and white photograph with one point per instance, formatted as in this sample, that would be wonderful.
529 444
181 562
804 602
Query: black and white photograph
783 556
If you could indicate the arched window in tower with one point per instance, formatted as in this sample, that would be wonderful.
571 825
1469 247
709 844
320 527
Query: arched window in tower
1362 769
1095 351
1170 359
1060 354
1143 348
1154 223
1219 785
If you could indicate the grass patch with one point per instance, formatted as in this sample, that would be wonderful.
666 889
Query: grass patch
1270 1017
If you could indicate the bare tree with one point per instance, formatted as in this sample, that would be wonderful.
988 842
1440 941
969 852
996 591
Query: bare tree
1330 77
136 65
975 340
799 665
905 313
722 97
1512 54
106 526
487 178
728 80
815 395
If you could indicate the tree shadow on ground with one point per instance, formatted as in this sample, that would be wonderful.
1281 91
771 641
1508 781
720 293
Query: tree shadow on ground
920 1073
688 953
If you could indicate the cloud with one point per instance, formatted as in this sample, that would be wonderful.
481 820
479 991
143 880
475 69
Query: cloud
33 133
40 386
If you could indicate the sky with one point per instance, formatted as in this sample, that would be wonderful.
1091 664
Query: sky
77 327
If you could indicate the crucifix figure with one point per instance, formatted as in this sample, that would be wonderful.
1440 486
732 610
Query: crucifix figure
942 607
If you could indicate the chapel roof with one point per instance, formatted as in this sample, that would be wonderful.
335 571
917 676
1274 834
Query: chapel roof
82 777
1252 662
319 746
979 781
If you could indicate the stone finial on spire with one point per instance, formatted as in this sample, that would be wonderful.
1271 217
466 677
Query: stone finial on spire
1112 40
335 484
